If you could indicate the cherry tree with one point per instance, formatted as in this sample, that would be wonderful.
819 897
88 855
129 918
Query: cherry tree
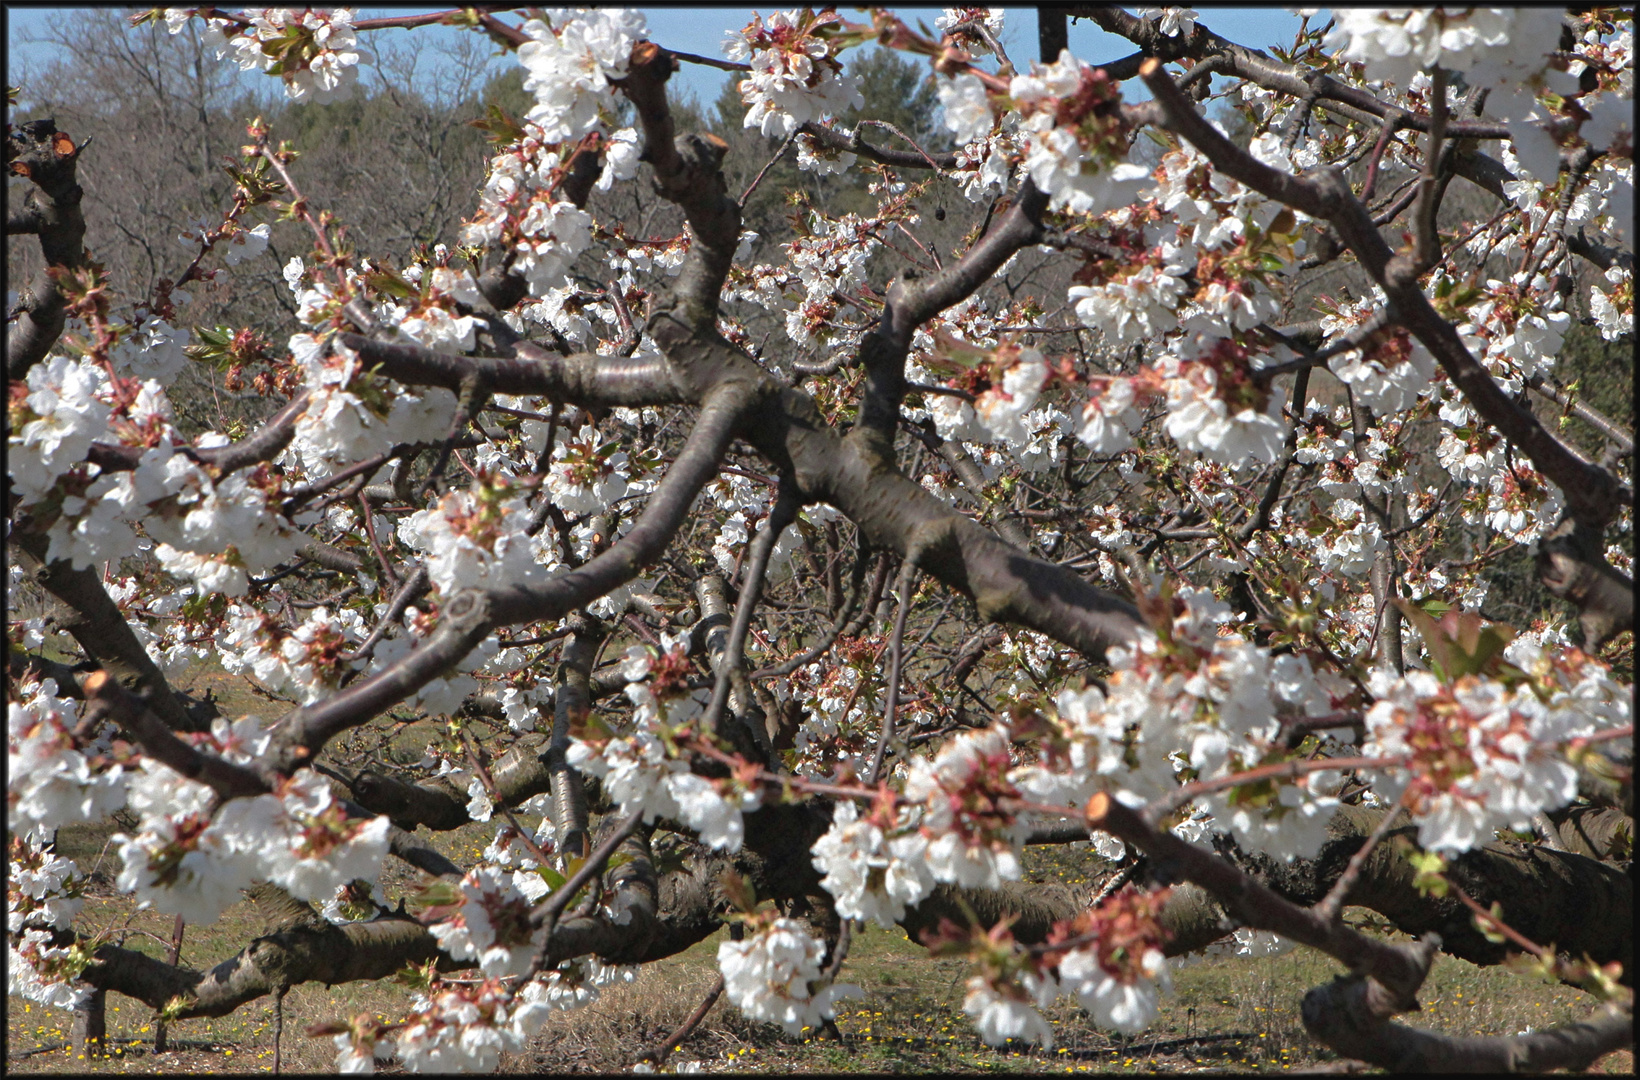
845 573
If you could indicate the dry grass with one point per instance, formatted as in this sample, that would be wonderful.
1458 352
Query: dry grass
1225 1015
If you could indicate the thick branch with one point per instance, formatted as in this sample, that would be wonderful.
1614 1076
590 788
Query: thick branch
687 173
329 954
95 621
470 616
49 158
909 305
107 697
263 445
1330 1015
584 379
1580 904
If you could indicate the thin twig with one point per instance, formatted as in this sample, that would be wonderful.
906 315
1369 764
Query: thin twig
661 1051
758 179
1331 906
787 502
908 572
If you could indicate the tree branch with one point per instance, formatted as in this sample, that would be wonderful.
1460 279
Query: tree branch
49 158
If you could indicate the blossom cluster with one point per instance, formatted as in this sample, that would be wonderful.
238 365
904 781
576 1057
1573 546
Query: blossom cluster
1076 143
647 769
1481 752
774 975
315 51
190 856
796 77
53 781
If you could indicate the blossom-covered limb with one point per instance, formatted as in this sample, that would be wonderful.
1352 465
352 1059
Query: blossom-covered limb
465 622
1592 492
1257 67
894 513
104 694
1259 519
724 412
909 305
51 211
97 625
501 285
262 445
1399 969
471 615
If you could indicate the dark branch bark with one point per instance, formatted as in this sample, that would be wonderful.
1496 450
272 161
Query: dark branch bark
572 701
1333 1015
687 173
89 614
584 379
1259 67
106 697
1579 903
49 158
264 445
471 616
1352 1014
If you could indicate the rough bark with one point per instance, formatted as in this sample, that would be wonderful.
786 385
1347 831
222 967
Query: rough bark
1578 903
90 615
51 210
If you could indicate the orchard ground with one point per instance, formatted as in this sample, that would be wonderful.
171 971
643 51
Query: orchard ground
1231 1014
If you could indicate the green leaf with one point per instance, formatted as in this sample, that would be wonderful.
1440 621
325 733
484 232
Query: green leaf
499 127
953 356
1488 926
1429 873
386 281
418 977
438 893
553 878
1461 643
